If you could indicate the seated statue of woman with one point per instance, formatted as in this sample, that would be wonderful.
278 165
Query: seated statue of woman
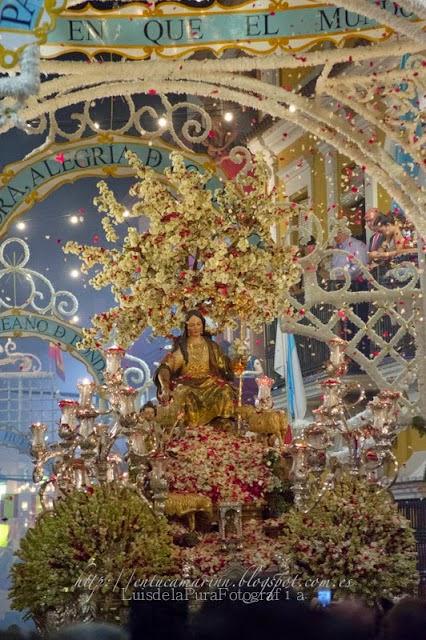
199 374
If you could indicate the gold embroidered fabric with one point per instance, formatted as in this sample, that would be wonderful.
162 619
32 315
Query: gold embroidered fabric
198 360
202 391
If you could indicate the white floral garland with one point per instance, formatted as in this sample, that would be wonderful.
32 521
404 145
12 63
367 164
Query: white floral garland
413 30
19 87
407 189
418 7
141 68
344 94
332 129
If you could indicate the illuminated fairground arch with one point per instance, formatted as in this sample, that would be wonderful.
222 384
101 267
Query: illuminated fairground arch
71 83
31 180
359 138
18 323
30 306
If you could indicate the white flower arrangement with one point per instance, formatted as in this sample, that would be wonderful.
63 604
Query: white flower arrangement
214 252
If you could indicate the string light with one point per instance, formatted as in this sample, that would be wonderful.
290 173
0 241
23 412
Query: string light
74 273
74 219
75 319
21 226
126 213
228 116
162 122
292 108
96 125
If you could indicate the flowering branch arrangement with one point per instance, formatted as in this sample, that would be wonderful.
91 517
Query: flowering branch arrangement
204 250
355 541
111 529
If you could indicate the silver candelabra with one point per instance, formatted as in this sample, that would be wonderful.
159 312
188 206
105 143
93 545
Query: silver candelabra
365 449
85 456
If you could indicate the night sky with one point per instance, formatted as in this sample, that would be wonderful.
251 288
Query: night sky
48 227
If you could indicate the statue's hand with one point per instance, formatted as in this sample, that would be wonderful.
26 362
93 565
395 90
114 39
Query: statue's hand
165 396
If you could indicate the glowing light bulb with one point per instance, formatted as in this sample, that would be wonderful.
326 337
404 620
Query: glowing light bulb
21 226
292 108
74 273
162 122
228 116
75 319
126 213
96 125
74 219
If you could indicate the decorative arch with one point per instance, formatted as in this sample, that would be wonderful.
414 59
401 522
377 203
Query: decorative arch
316 115
31 180
31 307
18 323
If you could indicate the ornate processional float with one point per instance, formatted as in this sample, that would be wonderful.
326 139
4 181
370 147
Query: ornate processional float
207 483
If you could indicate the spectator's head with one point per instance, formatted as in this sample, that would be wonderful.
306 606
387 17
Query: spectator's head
247 613
159 613
310 246
15 633
387 225
149 410
341 235
351 619
371 216
341 231
90 631
405 621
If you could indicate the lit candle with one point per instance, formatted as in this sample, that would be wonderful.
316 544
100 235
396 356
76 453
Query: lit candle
80 474
86 388
137 443
68 409
87 424
38 429
101 430
127 400
114 356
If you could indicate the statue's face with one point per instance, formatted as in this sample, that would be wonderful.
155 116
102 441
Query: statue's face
149 413
194 326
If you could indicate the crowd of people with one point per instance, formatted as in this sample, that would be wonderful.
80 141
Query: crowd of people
252 619
391 241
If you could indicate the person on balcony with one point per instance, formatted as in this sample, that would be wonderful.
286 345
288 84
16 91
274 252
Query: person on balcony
376 239
394 248
351 262
356 252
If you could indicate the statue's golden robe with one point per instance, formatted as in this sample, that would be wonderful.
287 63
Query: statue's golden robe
202 388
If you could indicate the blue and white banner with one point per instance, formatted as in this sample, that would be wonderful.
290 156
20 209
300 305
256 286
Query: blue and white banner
287 365
173 30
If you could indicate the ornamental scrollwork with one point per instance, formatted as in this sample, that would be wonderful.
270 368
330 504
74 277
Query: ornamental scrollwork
138 375
25 362
392 329
24 288
149 121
